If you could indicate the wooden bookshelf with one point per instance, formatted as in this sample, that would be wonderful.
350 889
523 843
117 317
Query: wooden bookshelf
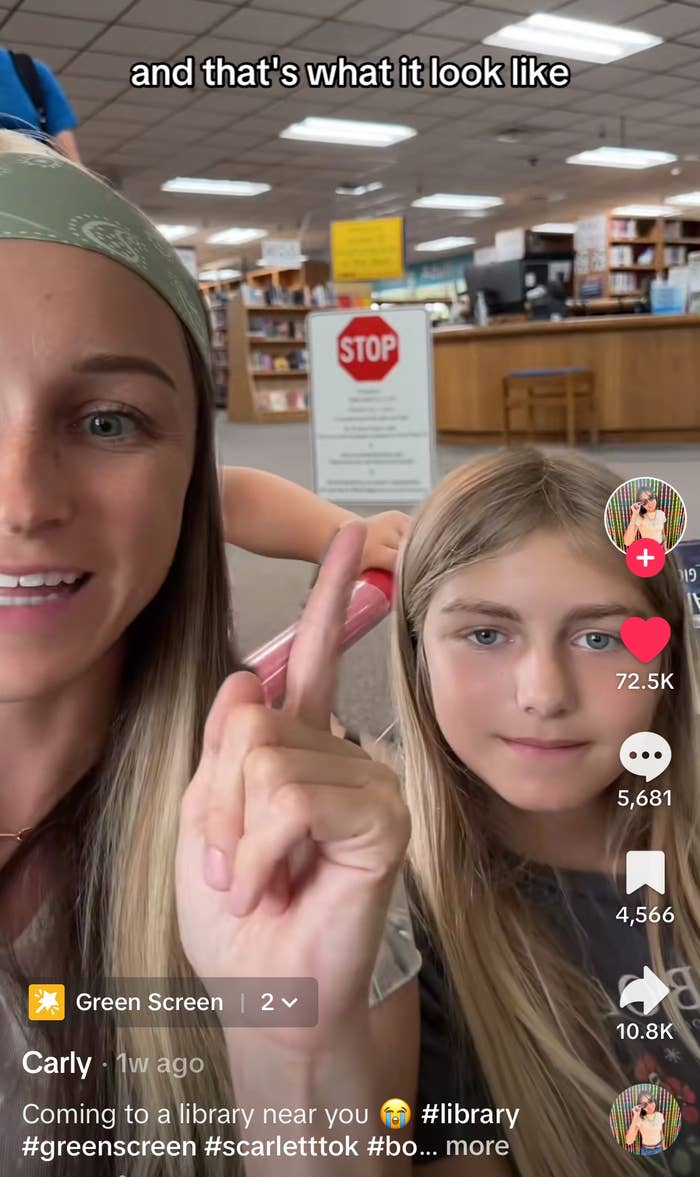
266 325
638 246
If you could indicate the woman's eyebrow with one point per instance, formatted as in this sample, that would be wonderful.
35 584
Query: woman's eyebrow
122 363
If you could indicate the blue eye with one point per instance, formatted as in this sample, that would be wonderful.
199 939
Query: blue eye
486 637
598 641
110 425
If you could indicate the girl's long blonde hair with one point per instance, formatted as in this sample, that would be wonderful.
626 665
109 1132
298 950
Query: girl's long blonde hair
535 1020
122 922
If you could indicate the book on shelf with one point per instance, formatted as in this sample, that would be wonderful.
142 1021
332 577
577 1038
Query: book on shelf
281 296
275 328
620 227
280 400
624 283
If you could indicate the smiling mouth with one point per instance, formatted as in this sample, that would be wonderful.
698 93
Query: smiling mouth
40 594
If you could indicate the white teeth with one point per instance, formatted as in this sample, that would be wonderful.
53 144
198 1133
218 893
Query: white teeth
16 601
35 579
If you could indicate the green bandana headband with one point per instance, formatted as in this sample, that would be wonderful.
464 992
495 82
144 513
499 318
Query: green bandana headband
45 198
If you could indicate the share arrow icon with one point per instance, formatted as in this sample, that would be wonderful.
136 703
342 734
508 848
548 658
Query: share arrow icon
648 990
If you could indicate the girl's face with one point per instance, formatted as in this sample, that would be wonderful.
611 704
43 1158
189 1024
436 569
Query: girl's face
523 651
97 426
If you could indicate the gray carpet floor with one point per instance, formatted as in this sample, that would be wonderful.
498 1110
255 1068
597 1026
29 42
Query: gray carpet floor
268 594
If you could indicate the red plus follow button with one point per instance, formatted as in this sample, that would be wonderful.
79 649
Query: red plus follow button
645 557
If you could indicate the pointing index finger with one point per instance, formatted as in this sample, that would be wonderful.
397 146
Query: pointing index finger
313 661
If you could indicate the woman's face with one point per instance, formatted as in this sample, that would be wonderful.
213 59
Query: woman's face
97 427
524 654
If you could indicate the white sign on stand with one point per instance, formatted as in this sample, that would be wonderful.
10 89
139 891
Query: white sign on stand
371 405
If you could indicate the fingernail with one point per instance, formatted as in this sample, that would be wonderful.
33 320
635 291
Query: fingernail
217 872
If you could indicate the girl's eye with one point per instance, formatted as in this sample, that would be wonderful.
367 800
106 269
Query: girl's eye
111 425
486 637
598 641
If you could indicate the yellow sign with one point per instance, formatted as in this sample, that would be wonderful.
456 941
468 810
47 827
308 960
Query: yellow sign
367 250
47 1003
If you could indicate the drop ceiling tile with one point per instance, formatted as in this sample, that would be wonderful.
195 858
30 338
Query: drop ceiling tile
103 88
601 10
609 104
610 77
140 113
51 56
140 44
84 107
470 23
92 9
181 16
418 45
666 57
54 30
390 15
319 8
657 86
257 24
517 9
685 118
670 21
98 65
692 71
214 46
346 38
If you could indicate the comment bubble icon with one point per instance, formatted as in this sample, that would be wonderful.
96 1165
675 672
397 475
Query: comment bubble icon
646 754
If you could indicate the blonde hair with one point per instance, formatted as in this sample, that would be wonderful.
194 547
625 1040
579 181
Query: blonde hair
179 651
535 1021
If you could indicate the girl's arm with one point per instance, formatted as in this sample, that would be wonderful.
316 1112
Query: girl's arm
271 516
274 517
633 1129
631 532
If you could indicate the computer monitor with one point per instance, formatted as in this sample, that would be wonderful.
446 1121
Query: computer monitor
502 283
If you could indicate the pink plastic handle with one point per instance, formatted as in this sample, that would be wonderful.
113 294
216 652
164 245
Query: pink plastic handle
370 603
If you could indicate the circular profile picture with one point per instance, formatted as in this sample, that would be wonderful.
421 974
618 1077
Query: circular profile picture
645 508
645 1119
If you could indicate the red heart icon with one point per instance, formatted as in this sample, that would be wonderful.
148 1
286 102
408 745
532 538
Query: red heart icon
645 639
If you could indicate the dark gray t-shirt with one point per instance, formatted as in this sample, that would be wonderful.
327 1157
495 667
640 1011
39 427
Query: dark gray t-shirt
581 909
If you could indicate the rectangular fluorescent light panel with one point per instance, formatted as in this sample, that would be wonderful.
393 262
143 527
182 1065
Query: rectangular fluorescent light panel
689 199
206 187
358 189
581 40
456 200
442 243
348 132
175 232
622 157
554 228
644 210
236 236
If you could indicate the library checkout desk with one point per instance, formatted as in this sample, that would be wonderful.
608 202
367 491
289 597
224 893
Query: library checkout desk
646 369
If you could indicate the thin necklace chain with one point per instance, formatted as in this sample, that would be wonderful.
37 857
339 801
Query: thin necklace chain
21 835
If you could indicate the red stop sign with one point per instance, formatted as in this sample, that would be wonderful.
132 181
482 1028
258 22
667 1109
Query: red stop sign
368 348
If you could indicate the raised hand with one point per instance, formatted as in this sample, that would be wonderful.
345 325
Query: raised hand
290 838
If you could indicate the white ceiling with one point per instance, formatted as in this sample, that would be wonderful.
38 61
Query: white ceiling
141 137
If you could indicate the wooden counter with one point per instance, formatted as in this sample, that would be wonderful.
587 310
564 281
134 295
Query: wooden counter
647 370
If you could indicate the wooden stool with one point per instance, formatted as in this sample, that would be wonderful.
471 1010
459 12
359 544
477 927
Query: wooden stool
565 387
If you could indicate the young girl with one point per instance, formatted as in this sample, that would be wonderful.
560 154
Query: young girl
508 670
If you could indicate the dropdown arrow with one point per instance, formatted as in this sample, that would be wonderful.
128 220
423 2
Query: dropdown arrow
289 1004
